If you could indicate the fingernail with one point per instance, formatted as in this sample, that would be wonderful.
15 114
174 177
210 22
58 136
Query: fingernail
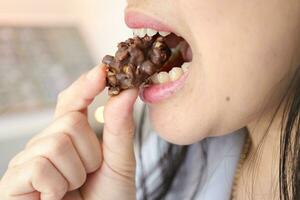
93 73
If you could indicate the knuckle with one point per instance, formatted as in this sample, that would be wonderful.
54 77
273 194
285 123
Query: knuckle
96 165
61 95
74 119
13 162
124 168
58 190
92 167
39 165
33 140
85 101
126 173
79 181
59 144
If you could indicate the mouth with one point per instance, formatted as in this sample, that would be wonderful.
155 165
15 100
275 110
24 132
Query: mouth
172 76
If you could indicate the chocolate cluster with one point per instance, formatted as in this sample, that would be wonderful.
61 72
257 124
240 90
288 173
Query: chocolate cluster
134 62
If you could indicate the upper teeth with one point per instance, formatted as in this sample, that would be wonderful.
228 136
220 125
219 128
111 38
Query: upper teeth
142 32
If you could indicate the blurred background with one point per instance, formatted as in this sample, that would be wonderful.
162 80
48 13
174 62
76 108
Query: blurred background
44 46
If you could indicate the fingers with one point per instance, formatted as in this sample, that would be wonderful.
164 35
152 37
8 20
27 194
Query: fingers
118 168
119 132
85 141
60 152
82 92
36 179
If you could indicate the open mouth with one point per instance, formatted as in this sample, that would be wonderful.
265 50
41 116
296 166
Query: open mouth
157 59
179 61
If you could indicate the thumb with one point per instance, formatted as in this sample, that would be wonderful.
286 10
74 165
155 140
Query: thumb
118 133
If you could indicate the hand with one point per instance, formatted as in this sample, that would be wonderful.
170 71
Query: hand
67 161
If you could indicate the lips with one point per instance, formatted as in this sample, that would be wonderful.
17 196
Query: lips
157 93
136 20
173 77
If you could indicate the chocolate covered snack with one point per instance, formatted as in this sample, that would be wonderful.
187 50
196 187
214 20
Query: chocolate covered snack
135 61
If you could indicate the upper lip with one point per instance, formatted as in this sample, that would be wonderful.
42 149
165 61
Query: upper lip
137 19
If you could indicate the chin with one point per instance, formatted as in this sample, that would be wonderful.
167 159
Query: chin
180 133
177 128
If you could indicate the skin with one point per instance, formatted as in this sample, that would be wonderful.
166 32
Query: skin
244 55
67 161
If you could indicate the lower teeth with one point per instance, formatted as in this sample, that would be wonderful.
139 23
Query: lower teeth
185 67
173 75
163 77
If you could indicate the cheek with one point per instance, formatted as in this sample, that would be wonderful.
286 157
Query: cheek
243 67
174 129
246 58
254 72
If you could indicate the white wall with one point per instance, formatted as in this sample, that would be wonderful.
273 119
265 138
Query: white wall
101 21
37 12
28 7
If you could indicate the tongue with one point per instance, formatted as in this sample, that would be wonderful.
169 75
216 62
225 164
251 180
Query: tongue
186 51
176 60
174 41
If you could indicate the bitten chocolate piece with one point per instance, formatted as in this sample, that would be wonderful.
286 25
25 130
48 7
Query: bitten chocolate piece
134 62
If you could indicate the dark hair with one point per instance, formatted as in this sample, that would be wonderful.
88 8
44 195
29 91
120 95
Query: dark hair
174 156
289 168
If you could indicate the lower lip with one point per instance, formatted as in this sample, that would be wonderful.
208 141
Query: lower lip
156 93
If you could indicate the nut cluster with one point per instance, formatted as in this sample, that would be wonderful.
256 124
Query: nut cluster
134 62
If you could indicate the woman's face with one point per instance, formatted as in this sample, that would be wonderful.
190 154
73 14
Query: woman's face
243 55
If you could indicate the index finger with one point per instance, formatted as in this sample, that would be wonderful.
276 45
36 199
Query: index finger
82 92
